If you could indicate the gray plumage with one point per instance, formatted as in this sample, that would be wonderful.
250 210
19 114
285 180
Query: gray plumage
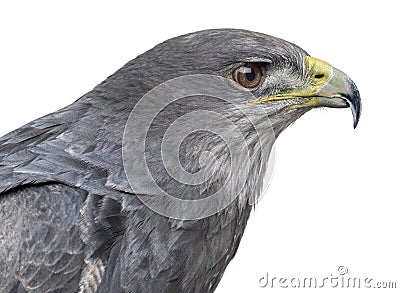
70 221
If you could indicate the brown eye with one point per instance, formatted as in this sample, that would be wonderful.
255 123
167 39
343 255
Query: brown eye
249 75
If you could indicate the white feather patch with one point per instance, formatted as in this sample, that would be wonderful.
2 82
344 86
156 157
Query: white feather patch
91 276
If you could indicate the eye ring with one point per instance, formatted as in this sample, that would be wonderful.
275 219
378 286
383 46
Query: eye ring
249 75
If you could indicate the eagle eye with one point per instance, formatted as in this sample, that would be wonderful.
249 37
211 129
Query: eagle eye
249 75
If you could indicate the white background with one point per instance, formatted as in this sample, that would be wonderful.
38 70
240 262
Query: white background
334 198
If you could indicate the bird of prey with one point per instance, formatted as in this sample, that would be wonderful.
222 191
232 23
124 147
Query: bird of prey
75 219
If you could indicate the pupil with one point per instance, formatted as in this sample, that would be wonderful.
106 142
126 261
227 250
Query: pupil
251 75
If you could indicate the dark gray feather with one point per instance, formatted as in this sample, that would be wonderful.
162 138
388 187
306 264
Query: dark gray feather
70 219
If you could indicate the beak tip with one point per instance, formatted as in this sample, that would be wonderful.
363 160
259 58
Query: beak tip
355 102
356 111
352 97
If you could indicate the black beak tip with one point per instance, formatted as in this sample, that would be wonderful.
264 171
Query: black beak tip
355 123
353 99
354 103
356 111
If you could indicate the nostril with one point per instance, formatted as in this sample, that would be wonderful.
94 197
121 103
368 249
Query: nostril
319 76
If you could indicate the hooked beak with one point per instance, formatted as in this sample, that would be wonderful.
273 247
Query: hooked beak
326 86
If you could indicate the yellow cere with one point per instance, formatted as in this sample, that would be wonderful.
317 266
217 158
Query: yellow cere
319 73
319 70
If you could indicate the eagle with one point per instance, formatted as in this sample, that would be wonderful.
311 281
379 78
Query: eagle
146 183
